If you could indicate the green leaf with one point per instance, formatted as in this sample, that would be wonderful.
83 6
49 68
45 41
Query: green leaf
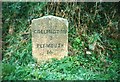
77 40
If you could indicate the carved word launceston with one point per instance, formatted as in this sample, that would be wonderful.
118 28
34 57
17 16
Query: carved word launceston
48 31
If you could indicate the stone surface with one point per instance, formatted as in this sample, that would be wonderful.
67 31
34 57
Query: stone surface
49 38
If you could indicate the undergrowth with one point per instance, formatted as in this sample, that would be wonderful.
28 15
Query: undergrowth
94 46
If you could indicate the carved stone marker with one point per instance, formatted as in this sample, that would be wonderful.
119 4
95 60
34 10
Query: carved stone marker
49 38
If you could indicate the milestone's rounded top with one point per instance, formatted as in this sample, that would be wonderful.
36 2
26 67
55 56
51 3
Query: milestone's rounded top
55 17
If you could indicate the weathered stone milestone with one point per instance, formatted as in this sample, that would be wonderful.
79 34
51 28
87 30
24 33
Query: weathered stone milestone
49 38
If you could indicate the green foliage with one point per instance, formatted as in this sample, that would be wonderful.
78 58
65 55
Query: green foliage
77 43
90 29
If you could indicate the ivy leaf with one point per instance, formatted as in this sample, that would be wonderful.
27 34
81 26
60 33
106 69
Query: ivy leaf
91 47
77 40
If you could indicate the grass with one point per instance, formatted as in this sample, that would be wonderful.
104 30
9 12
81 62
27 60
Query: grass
91 26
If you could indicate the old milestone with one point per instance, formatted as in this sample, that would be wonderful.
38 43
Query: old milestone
49 38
